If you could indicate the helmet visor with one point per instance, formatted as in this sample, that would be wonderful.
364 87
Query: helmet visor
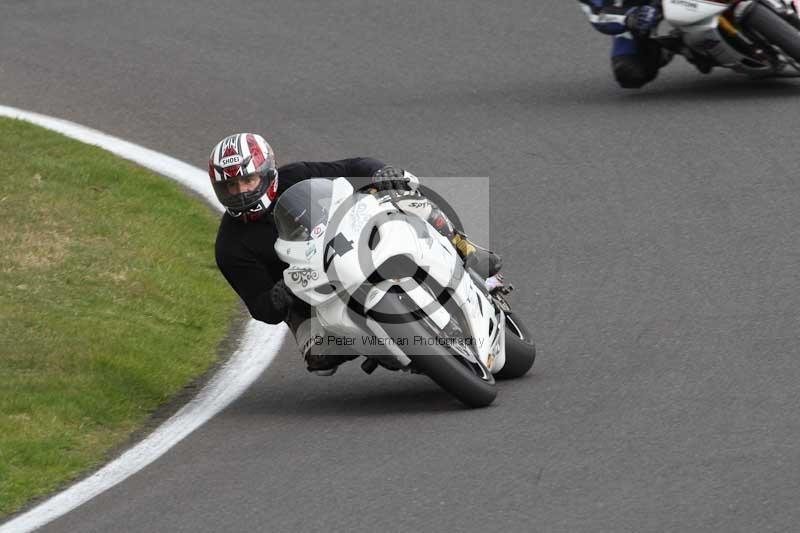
239 193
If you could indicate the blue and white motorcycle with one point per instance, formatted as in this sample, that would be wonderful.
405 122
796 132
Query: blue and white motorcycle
760 38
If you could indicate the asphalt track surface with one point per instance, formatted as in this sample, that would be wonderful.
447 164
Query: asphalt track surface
652 235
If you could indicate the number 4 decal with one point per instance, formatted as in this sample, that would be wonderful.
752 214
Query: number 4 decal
339 245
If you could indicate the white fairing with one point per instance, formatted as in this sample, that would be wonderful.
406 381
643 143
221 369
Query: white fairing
688 12
401 233
696 22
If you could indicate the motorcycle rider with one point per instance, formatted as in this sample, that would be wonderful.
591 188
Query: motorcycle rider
635 58
247 182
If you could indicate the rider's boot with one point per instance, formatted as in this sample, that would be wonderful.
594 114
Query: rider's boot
484 262
704 67
321 358
325 364
703 64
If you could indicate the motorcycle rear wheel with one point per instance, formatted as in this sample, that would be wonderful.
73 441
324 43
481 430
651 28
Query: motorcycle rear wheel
774 28
520 350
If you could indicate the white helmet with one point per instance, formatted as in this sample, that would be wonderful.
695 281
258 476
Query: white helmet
243 158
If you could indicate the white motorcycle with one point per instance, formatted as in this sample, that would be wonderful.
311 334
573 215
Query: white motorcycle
755 37
383 283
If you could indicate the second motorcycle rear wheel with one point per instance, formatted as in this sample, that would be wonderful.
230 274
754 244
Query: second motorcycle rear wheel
773 28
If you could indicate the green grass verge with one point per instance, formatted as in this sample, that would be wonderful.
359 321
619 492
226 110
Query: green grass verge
110 302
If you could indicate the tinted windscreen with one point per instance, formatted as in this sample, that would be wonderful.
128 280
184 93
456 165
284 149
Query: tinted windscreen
303 207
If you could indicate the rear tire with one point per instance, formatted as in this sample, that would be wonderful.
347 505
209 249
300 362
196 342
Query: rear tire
438 362
520 350
774 28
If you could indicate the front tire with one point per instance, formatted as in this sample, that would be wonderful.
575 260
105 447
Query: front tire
774 28
439 362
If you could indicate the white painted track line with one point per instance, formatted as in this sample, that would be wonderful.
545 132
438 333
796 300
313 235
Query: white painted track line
259 346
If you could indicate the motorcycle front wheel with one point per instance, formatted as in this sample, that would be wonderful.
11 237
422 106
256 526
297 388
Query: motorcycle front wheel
469 382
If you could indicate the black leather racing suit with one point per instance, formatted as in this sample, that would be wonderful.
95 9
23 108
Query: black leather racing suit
245 251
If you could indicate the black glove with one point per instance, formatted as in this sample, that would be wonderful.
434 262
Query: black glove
389 173
642 19
390 177
280 296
